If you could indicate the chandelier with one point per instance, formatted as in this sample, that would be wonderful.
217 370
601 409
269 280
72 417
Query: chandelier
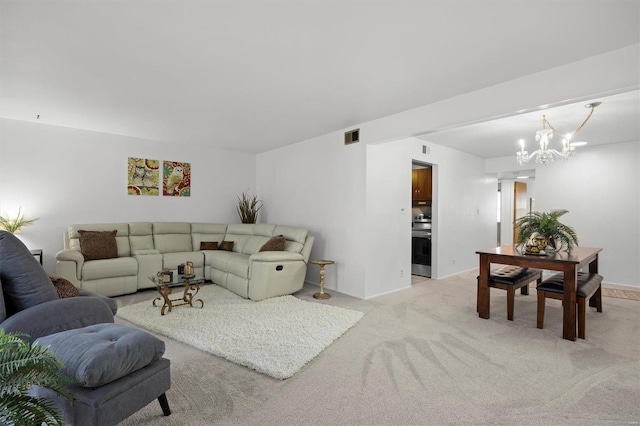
545 155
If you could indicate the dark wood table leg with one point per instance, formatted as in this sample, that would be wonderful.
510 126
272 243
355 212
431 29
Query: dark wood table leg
593 268
569 302
483 288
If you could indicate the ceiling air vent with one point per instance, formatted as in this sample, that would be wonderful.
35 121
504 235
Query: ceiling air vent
352 136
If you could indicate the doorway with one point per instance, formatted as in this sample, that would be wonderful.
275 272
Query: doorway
421 224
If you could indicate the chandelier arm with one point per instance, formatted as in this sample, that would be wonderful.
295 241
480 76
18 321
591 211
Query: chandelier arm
553 129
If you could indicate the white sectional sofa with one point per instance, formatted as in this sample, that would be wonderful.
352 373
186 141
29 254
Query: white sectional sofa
144 248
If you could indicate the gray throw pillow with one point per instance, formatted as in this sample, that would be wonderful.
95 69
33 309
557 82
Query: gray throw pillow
24 281
101 353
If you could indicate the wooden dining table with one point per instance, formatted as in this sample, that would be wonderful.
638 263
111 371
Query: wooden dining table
567 263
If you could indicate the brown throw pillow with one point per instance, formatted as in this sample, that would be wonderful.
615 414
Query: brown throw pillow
225 245
208 245
96 245
64 287
274 244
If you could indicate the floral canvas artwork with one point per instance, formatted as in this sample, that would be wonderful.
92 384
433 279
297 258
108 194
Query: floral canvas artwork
143 176
176 179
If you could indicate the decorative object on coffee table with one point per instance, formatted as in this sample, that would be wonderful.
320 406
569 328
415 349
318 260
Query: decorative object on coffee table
191 286
322 263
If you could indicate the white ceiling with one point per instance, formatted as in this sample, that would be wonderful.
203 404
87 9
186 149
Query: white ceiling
255 75
617 119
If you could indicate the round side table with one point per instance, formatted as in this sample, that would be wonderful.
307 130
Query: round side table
322 263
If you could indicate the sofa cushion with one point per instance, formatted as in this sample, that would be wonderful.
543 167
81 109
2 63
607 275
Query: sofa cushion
207 232
232 262
274 244
64 287
110 268
101 353
249 237
172 237
95 245
24 282
172 260
140 236
295 237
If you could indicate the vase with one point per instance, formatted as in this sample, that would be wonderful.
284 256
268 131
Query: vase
541 243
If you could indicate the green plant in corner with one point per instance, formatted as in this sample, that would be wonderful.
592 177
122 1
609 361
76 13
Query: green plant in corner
23 365
248 207
14 225
548 226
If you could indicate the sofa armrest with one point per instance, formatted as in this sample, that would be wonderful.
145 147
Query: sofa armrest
58 315
113 305
275 256
306 250
70 257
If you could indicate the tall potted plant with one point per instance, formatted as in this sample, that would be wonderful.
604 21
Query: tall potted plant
547 228
23 365
248 207
14 225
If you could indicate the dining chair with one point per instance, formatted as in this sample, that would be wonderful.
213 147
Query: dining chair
511 278
589 284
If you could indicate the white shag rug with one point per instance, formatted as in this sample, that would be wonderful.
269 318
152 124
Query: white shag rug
276 336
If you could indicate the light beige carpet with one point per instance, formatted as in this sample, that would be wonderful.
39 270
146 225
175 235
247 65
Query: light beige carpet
422 356
275 336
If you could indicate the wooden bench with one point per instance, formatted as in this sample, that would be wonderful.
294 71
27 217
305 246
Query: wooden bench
511 278
589 284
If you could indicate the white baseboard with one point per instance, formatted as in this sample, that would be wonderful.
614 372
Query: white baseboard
388 292
615 286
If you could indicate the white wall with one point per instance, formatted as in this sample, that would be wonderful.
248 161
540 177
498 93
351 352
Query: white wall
65 176
464 211
600 187
320 185
388 218
356 200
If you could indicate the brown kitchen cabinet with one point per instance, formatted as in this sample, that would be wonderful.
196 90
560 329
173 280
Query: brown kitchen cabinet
421 186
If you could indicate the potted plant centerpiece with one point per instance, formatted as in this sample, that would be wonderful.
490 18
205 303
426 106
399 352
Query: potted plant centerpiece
543 231
248 207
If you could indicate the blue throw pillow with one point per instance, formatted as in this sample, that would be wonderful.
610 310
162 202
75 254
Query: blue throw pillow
24 282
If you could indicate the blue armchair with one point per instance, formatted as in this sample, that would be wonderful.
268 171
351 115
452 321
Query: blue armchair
120 369
29 302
